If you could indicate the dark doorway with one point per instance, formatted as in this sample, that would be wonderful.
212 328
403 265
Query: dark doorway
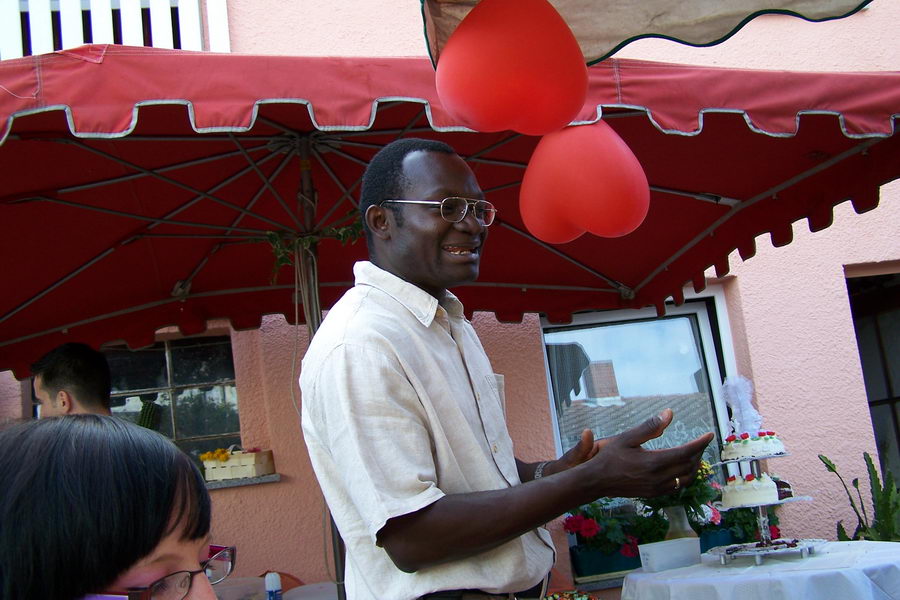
875 302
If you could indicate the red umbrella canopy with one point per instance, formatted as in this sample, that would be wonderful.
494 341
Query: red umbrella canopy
142 188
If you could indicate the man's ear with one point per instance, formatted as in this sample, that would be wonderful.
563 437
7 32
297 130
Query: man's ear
65 402
379 222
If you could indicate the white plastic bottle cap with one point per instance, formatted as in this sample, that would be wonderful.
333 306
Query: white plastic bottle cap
273 582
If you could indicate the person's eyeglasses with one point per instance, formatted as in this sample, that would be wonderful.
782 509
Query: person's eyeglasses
455 208
175 586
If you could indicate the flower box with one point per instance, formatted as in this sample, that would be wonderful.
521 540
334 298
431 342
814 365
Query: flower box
588 561
240 464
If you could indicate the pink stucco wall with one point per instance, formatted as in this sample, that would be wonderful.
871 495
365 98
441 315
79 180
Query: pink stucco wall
11 406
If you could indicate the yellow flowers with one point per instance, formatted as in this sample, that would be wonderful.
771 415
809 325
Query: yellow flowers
220 454
705 471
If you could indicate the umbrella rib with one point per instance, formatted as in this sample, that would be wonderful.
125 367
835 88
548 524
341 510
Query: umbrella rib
199 236
349 157
499 163
705 197
159 220
394 131
56 284
124 178
620 287
265 181
346 192
532 286
231 178
494 146
411 123
190 138
504 186
175 183
199 266
773 191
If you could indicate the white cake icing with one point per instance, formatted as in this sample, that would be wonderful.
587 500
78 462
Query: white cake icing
741 492
745 446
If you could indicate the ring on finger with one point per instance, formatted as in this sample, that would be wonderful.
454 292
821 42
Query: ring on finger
677 484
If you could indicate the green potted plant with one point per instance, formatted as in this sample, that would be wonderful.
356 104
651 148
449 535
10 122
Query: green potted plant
608 533
885 523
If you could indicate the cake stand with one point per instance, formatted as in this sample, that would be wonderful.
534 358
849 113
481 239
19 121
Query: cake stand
766 546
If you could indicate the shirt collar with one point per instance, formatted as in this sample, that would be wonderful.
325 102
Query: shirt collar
416 300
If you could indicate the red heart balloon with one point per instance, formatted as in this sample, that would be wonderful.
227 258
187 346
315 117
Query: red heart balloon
583 178
512 64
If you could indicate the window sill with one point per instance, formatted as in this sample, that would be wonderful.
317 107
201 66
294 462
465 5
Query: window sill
230 483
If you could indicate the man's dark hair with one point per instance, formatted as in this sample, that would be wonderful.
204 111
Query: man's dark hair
384 178
78 369
84 497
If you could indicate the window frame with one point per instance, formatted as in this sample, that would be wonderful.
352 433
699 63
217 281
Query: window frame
172 389
716 355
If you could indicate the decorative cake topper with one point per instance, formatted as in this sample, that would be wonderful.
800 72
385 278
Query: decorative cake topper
738 391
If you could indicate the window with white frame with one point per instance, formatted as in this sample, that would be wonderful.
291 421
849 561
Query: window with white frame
609 371
183 388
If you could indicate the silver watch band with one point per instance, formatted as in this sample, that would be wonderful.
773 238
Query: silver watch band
539 470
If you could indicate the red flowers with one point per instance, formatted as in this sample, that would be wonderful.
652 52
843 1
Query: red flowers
745 435
629 548
579 524
750 477
731 438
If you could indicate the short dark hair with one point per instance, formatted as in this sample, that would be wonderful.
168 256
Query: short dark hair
383 178
78 369
84 497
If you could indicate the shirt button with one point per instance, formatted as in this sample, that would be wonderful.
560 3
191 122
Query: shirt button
495 448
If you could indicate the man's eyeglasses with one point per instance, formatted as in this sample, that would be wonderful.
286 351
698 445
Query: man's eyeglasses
175 586
455 208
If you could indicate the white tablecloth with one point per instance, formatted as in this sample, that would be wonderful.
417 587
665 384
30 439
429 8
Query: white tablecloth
837 571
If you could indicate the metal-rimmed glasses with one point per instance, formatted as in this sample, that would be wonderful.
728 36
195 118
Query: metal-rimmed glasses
175 586
455 208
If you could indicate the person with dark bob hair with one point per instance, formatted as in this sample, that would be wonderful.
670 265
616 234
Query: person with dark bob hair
93 505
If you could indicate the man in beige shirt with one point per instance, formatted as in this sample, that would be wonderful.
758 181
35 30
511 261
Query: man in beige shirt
403 417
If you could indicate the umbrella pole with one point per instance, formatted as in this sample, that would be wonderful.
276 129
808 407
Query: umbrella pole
308 283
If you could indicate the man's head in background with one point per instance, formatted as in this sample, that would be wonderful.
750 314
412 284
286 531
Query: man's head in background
71 379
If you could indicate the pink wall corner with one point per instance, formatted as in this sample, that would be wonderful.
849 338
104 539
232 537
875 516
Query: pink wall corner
278 526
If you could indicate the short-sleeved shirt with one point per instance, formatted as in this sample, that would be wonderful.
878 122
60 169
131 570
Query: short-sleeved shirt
400 407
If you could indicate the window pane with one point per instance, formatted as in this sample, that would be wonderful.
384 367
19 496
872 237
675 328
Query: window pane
137 369
129 407
889 325
206 410
201 360
611 377
195 448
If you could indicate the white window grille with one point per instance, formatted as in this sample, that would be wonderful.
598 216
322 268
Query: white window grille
39 26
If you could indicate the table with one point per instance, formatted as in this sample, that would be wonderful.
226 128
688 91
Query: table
837 571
